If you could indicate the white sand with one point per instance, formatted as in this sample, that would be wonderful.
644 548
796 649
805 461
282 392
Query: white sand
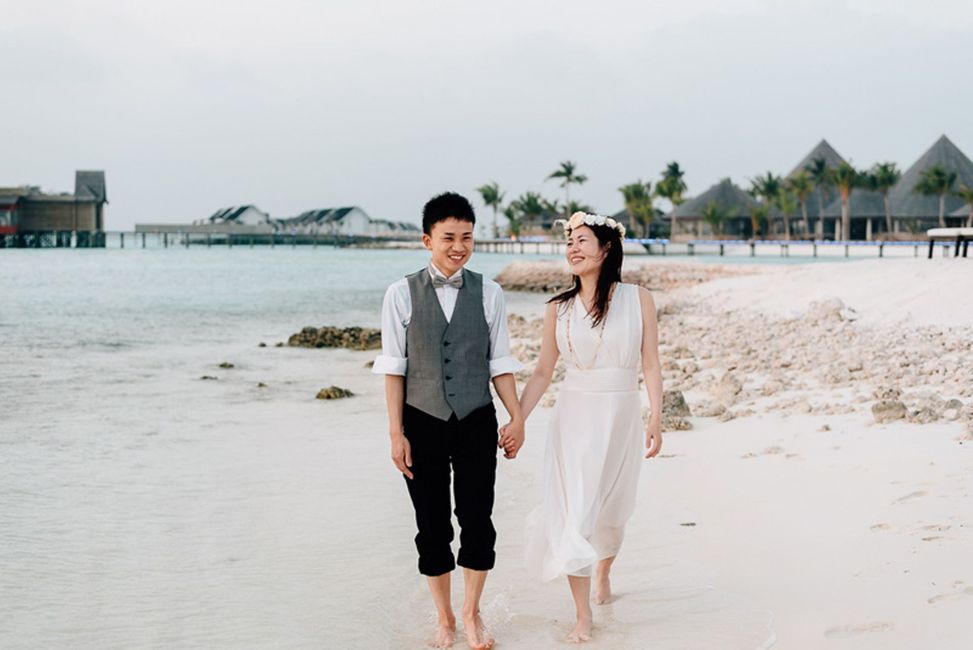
917 291
850 535
857 537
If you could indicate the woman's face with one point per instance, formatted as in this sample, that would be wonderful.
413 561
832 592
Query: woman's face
584 253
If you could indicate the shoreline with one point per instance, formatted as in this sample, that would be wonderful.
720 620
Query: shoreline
252 511
800 520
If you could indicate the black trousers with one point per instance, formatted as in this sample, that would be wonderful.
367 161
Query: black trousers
469 448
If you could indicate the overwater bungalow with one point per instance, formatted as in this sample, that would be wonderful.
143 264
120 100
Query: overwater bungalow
49 219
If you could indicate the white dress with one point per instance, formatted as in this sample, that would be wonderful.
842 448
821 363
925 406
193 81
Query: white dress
595 442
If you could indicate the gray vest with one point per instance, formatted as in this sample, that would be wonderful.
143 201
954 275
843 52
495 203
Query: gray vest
449 361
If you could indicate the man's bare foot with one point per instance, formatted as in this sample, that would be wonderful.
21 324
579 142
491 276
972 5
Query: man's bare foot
445 636
582 631
476 633
603 588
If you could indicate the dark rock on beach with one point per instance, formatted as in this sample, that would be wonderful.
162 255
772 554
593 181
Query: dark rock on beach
353 338
209 377
673 403
334 392
889 410
226 364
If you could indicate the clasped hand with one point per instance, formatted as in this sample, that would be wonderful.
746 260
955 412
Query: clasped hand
511 438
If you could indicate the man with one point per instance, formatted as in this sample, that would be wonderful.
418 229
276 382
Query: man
444 337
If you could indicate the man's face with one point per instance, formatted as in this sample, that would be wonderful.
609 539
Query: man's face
451 244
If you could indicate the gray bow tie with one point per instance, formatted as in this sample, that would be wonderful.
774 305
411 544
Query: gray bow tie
438 281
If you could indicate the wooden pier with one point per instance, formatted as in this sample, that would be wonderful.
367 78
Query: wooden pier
525 246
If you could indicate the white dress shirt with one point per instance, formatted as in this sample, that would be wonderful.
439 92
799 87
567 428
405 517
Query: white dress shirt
397 313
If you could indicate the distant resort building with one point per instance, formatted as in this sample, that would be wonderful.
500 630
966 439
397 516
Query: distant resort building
912 212
347 221
725 196
384 228
249 219
243 215
27 210
332 221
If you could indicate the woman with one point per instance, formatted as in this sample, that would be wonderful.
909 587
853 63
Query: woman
605 330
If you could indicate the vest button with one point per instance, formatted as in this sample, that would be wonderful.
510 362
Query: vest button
445 360
451 395
448 377
445 343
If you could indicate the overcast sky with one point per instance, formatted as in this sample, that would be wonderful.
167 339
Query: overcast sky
190 106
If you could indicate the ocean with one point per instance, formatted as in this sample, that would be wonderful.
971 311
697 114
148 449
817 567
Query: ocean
142 506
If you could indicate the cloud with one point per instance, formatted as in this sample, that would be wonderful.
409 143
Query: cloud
189 106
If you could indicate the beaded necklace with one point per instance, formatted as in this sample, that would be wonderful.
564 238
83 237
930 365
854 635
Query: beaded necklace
601 331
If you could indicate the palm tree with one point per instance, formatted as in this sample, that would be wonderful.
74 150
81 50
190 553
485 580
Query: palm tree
567 174
766 188
786 203
576 206
846 178
551 207
638 204
965 192
937 181
759 214
716 216
801 186
672 187
820 173
513 220
884 176
529 207
492 198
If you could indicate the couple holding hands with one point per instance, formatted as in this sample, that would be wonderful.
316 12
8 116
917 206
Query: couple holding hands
444 339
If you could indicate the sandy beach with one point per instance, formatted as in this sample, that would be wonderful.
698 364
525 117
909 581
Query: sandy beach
242 512
786 516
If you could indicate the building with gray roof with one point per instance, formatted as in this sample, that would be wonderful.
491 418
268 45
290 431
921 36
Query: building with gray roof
349 220
818 201
822 150
911 210
29 209
734 202
909 204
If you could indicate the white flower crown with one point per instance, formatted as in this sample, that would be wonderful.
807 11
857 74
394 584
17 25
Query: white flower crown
586 219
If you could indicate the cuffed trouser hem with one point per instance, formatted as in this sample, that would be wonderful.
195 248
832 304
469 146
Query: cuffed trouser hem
438 567
481 562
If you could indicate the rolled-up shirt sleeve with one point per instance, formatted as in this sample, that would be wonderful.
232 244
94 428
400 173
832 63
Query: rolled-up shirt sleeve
396 312
501 361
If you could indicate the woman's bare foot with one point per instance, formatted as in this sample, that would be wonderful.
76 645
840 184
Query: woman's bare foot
582 631
603 588
445 636
476 633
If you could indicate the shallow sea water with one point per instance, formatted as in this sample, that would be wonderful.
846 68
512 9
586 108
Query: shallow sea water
144 507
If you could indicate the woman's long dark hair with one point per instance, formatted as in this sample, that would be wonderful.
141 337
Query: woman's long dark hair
611 271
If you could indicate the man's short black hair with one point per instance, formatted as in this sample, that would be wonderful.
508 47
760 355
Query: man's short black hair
442 207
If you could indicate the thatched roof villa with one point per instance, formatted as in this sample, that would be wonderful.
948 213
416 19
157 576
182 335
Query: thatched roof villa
727 197
912 212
